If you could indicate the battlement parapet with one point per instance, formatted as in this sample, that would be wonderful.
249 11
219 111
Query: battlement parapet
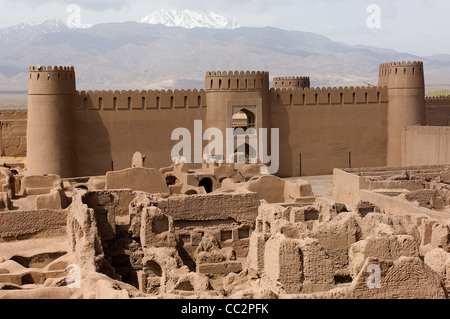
236 81
329 96
13 114
280 78
237 73
56 80
437 100
401 64
50 68
291 82
138 100
402 74
394 68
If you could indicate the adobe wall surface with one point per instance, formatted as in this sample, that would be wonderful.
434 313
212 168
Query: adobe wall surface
438 111
241 208
429 145
333 127
112 126
8 115
13 137
415 191
143 179
17 225
321 117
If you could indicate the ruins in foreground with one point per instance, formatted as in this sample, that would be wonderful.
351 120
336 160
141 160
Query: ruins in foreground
255 236
88 216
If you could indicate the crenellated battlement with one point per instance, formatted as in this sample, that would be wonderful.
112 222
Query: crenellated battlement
328 96
49 73
281 78
236 81
138 100
402 63
437 100
237 73
291 82
401 74
51 80
13 114
50 68
395 68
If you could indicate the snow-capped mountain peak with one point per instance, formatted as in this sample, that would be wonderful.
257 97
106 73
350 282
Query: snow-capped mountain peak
189 19
47 26
28 31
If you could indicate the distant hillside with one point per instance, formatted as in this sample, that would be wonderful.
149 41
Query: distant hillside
136 55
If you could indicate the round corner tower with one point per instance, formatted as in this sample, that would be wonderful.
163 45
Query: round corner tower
50 138
406 93
291 82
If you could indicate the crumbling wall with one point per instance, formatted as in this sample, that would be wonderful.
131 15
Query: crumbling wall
404 278
83 233
283 263
142 179
322 251
17 225
13 137
242 208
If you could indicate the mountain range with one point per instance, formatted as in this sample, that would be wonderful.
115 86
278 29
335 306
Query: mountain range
189 19
173 50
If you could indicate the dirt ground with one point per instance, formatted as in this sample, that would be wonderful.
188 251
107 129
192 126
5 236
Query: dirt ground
321 185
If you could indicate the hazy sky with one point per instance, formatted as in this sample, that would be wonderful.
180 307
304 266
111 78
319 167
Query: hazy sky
419 27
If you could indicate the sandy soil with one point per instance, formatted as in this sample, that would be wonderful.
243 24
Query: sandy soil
321 185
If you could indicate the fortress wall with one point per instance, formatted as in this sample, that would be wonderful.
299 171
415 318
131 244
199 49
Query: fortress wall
6 115
13 133
13 138
112 126
330 128
438 110
426 145
32 224
139 100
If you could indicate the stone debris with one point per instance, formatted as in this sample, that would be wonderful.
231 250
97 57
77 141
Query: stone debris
249 238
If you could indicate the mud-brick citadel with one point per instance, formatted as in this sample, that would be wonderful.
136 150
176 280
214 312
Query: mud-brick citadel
72 133
100 192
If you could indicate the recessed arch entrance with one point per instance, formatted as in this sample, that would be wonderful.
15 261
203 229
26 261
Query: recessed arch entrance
243 119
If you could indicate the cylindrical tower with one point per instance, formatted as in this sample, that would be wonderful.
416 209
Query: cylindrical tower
228 93
50 138
291 82
406 85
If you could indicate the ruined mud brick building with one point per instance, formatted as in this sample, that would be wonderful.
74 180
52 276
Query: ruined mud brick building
72 133
80 222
